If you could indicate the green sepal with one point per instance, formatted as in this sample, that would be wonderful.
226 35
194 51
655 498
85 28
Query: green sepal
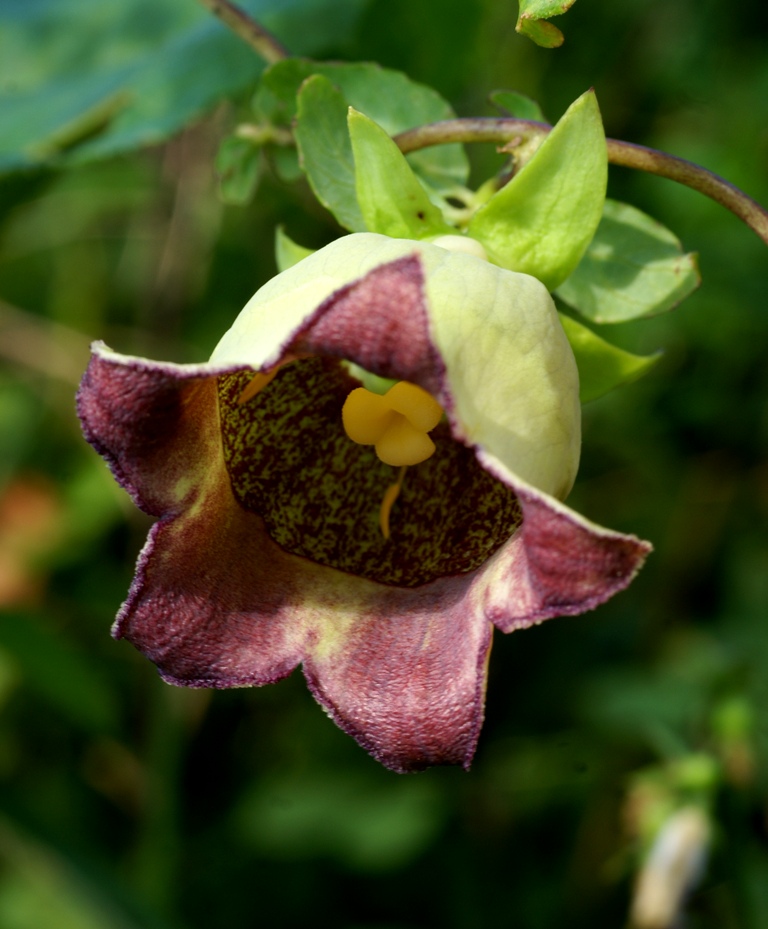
511 103
391 199
389 97
287 252
602 366
542 221
238 164
531 21
325 150
633 267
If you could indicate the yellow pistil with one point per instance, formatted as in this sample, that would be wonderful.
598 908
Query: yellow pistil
396 424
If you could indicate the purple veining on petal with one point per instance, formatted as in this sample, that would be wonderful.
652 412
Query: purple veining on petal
407 680
557 563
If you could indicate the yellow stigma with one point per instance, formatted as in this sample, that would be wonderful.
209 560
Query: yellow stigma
396 424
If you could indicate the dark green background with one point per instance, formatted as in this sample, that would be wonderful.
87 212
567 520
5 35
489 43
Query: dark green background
125 803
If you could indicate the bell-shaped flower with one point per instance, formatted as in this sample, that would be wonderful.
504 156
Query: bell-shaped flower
364 480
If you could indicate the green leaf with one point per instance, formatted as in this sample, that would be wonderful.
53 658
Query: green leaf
326 151
511 103
93 81
391 199
542 221
531 21
237 167
388 97
287 252
633 267
602 366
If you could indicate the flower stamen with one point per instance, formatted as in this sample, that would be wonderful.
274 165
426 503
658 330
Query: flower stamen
396 424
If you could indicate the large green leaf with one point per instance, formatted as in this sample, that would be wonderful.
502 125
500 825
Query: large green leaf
542 221
388 97
532 21
391 199
602 366
633 267
83 80
326 151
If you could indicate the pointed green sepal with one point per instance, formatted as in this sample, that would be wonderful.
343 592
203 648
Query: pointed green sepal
542 221
325 150
602 366
391 198
287 252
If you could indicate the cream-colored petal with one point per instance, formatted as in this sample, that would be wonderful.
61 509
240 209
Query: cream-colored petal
511 379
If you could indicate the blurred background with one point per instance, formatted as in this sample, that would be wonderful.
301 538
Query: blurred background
126 803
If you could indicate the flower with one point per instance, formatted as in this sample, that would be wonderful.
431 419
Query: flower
270 548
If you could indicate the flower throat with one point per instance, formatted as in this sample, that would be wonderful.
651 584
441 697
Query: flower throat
323 461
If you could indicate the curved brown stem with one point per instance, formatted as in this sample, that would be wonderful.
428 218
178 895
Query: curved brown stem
626 154
259 38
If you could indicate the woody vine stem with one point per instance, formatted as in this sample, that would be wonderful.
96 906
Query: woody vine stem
510 133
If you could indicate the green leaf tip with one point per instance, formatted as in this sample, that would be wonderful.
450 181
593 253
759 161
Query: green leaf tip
633 267
532 21
325 150
517 105
542 221
287 252
602 366
392 201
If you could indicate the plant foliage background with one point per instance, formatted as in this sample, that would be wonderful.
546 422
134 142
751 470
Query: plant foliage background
126 803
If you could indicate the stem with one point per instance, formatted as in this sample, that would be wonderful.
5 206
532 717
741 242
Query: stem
259 38
619 153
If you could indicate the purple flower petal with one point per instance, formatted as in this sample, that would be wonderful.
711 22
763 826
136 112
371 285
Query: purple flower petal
398 664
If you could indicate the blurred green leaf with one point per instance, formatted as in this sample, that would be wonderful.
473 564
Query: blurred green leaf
42 886
633 267
542 221
532 21
287 252
84 81
348 817
326 151
391 199
388 97
602 366
237 166
511 103
59 674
